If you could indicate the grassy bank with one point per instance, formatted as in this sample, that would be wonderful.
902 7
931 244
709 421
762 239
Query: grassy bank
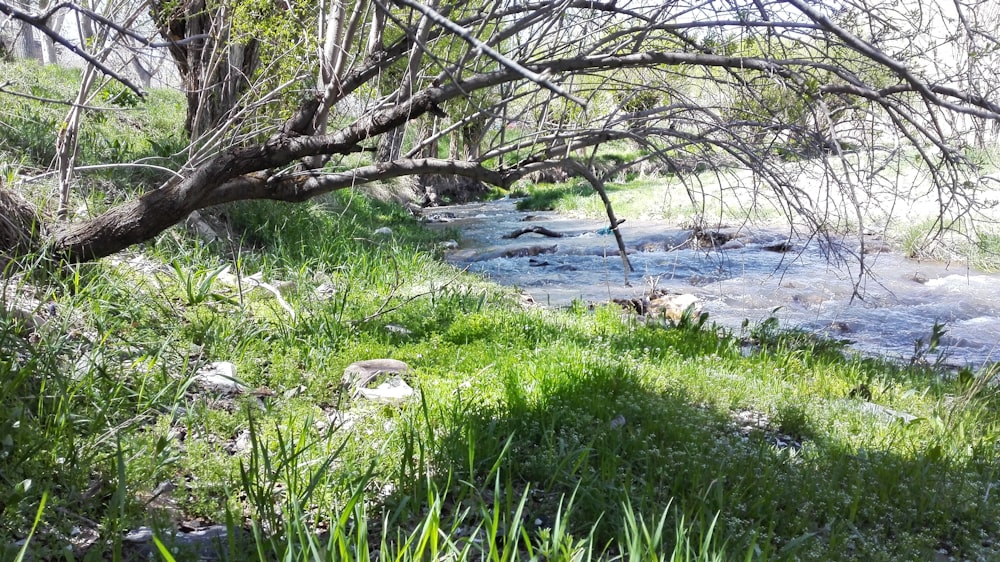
579 434
567 432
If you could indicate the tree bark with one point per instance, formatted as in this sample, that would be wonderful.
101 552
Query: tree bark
613 221
472 137
27 47
215 68
21 230
48 45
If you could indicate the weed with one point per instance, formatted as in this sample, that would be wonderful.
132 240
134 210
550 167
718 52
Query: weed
199 285
536 434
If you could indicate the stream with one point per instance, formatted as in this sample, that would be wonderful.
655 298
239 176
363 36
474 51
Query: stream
738 274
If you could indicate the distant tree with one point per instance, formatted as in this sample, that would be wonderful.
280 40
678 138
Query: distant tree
533 84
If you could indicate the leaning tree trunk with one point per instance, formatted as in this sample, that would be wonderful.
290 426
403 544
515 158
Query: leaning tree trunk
215 67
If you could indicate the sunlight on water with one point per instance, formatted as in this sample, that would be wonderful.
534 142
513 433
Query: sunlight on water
814 285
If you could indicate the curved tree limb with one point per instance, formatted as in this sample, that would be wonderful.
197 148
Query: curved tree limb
547 47
613 221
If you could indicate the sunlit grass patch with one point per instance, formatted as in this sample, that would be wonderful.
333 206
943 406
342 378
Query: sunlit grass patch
573 434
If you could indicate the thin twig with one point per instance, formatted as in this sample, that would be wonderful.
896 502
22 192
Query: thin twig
467 36
39 23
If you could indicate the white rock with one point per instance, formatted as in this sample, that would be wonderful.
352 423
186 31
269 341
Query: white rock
393 391
326 290
220 376
383 231
293 392
674 306
361 373
243 443
397 329
87 363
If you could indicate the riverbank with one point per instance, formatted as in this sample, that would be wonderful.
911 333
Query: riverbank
890 196
508 432
320 385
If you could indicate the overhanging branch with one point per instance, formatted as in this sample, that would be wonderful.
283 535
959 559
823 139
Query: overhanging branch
504 61
39 22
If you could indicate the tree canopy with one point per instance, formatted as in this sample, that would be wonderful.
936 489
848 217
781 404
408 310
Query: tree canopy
342 94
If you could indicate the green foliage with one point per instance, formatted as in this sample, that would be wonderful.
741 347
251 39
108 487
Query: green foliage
34 527
535 435
123 129
116 93
286 53
198 285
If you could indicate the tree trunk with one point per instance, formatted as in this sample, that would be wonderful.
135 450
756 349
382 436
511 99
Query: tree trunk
428 130
472 138
215 70
144 74
68 139
390 145
20 228
48 45
27 47
55 22
453 145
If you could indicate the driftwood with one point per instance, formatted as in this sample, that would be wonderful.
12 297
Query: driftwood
534 229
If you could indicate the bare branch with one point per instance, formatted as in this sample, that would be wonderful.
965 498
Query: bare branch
463 33
38 22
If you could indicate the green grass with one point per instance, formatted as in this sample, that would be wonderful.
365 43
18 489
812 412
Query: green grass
125 129
536 434
980 248
512 449
711 198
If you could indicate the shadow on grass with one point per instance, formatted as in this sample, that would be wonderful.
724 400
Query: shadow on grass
606 434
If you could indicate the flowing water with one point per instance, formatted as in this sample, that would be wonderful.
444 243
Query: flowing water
746 274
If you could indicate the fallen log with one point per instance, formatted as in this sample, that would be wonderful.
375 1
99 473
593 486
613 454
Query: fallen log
534 229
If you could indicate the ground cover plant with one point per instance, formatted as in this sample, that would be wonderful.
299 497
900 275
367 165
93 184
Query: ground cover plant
575 434
534 434
119 128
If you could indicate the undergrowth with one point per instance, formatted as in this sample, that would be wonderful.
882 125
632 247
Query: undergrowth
535 434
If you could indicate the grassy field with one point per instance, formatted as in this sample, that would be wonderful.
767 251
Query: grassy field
533 434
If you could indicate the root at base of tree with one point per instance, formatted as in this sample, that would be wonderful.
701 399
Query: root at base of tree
20 228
